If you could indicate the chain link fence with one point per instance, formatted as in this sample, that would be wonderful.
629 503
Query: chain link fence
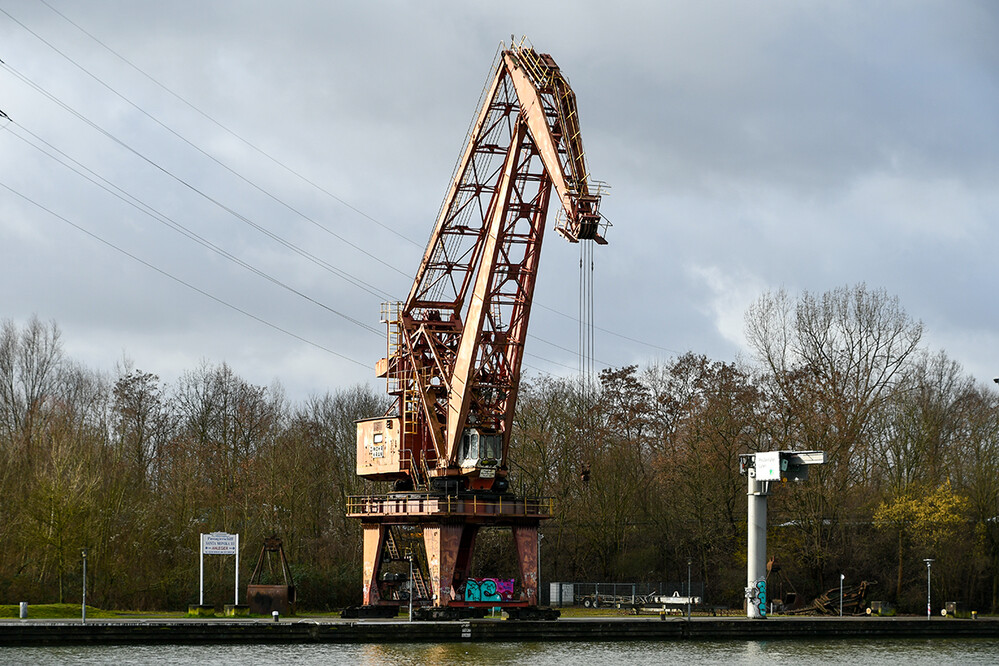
560 594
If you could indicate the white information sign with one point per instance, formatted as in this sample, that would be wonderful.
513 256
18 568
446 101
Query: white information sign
218 543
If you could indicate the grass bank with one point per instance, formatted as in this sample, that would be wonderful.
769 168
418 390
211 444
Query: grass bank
73 611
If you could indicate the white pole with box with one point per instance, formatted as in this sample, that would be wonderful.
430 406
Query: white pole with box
762 469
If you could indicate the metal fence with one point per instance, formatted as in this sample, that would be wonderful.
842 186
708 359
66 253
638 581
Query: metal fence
559 594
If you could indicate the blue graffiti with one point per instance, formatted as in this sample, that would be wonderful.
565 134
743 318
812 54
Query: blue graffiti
761 597
488 589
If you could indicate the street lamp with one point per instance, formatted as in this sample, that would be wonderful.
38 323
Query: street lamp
689 592
84 608
412 588
841 577
929 562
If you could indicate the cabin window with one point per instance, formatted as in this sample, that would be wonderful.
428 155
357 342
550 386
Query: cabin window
470 447
492 446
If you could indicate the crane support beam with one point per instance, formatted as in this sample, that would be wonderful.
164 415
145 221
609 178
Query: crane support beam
461 395
456 344
568 177
475 146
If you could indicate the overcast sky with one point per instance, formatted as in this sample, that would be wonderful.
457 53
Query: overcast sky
750 146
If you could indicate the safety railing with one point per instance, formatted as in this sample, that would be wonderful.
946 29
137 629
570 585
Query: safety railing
448 505
550 79
418 464
538 70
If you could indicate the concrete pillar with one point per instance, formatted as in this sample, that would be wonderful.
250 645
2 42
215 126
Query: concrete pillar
756 556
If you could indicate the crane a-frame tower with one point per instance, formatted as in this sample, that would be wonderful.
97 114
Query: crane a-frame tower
456 344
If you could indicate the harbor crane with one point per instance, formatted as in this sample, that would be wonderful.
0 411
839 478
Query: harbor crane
455 347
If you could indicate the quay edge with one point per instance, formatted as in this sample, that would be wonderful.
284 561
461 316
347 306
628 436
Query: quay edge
63 632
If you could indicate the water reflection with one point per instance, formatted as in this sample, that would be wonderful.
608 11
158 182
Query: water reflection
913 652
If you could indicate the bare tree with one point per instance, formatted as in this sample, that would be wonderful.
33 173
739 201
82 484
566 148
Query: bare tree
834 361
29 360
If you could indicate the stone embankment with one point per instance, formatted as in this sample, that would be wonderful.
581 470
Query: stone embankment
294 630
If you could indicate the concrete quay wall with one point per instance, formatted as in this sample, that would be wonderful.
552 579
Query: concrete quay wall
113 632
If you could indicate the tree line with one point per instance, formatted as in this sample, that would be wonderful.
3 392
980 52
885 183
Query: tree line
134 471
643 468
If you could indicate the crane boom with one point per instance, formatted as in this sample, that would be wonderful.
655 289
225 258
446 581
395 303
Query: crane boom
456 344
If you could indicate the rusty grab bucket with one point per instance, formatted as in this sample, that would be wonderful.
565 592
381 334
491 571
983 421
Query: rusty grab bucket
264 599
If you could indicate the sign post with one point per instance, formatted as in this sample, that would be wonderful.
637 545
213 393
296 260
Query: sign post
84 610
218 543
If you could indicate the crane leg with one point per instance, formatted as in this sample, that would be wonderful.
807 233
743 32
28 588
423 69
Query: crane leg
526 539
374 542
449 556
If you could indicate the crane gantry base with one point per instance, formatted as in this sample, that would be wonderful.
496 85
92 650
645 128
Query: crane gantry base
450 524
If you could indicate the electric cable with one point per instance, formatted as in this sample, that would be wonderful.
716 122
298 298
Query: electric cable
605 330
170 223
197 148
149 210
176 226
289 245
180 280
307 180
587 338
229 130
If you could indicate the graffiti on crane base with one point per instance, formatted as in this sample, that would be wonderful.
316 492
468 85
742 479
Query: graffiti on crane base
488 589
757 597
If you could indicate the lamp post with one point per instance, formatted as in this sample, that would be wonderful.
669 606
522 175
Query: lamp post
929 563
412 588
83 610
689 592
841 577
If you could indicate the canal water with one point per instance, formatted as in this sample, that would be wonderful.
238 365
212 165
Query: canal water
869 652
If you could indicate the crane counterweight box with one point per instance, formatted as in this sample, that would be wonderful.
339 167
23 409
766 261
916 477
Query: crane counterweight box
378 448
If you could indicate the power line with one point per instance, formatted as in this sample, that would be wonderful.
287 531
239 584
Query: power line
231 132
176 226
194 236
305 179
547 360
565 349
278 239
288 244
179 280
172 224
605 330
197 148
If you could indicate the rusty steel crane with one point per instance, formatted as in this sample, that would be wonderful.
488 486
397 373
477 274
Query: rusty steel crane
455 346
